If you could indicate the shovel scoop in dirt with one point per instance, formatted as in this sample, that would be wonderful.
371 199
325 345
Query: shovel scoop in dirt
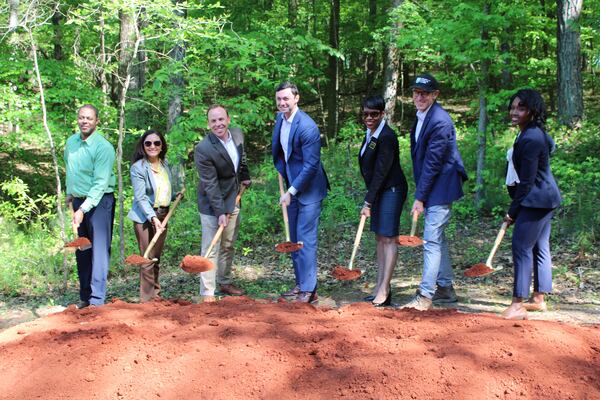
142 260
80 242
482 269
288 246
411 240
349 274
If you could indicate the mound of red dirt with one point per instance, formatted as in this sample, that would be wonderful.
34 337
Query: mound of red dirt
241 349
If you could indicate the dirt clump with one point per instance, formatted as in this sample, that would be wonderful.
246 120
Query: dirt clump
196 264
136 259
239 348
345 274
79 242
478 270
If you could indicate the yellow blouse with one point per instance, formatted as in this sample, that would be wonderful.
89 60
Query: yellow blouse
162 197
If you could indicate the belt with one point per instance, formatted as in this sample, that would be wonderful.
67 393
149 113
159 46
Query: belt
393 189
161 209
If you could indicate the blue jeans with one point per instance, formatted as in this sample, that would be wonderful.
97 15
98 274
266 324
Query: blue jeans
436 259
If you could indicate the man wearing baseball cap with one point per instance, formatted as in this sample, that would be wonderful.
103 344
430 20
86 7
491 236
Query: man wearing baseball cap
439 174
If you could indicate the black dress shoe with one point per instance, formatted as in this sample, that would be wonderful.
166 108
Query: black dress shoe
82 304
387 301
293 292
307 297
369 298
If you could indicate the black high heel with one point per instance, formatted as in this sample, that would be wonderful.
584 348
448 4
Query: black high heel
369 298
387 301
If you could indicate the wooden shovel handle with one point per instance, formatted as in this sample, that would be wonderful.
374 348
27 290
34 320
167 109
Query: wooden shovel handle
239 196
286 220
413 227
214 241
359 232
497 243
164 222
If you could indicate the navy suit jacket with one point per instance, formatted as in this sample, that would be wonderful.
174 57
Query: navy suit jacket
537 187
306 172
380 165
437 166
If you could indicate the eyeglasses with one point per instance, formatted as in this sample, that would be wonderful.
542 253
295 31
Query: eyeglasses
156 143
420 93
372 114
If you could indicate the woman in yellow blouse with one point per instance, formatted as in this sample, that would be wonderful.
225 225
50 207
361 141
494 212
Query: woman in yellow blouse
153 191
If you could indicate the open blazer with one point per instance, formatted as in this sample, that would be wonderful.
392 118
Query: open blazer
144 187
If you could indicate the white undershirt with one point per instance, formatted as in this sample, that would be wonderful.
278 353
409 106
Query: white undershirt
231 149
420 119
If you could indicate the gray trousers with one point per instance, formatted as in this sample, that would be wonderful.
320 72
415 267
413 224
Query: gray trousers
222 253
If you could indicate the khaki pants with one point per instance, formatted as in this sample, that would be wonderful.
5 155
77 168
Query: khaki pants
222 253
149 286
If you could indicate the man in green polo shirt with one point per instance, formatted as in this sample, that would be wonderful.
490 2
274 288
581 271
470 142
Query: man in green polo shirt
89 160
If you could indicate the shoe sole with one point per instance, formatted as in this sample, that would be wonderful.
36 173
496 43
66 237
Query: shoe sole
445 301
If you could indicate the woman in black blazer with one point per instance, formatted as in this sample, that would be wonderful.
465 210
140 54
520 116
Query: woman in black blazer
535 195
379 162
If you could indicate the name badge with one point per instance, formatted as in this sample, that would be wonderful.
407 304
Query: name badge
372 145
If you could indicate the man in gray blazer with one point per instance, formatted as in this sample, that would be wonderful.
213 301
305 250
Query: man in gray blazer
221 163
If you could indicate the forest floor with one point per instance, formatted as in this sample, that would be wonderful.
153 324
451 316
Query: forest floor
257 347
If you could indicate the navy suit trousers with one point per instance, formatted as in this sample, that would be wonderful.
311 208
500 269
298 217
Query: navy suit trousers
531 251
92 264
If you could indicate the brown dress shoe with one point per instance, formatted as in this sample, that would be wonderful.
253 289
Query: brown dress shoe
231 290
293 292
307 297
533 306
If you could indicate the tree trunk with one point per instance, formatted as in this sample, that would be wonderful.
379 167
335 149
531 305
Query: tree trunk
103 62
59 194
292 12
482 126
333 71
57 39
372 56
390 86
127 35
570 91
175 100
13 18
506 77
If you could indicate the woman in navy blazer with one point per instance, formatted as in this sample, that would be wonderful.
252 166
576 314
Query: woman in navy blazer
153 191
379 160
535 195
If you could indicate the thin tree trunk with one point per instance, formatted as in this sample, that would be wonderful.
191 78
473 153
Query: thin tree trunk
292 12
333 84
390 86
570 91
482 126
57 39
372 56
103 62
59 205
13 18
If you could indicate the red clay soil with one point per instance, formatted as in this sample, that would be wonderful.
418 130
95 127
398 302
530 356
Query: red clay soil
241 349
196 264
79 242
288 247
345 274
136 259
409 241
476 270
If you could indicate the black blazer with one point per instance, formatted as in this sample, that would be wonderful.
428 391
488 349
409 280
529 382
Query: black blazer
219 184
380 165
537 187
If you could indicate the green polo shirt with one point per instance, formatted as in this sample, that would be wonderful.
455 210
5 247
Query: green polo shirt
89 164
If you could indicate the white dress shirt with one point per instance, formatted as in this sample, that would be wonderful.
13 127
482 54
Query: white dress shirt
375 135
420 119
284 137
231 149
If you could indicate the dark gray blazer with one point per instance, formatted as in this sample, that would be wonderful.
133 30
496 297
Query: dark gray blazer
219 184
144 187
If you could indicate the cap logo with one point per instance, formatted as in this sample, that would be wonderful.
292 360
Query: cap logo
423 80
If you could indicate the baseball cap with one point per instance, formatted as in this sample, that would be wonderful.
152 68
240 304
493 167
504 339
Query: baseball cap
425 82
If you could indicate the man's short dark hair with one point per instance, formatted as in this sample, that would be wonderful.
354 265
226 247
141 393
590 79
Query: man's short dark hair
212 107
91 107
287 85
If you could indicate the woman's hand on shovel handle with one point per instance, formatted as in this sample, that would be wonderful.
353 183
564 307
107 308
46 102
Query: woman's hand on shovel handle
158 226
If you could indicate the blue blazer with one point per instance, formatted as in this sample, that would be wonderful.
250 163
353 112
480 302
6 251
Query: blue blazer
437 166
306 172
537 187
144 187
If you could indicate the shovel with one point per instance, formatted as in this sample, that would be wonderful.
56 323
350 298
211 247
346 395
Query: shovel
349 274
80 242
411 240
195 264
486 269
141 260
288 246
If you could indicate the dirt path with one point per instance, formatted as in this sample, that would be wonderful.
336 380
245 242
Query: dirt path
239 348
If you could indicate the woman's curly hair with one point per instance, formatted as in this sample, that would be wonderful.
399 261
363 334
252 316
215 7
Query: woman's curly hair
532 100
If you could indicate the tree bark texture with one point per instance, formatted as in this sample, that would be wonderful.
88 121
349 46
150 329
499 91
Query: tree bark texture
390 86
128 29
570 91
372 56
57 39
292 12
332 91
175 99
13 18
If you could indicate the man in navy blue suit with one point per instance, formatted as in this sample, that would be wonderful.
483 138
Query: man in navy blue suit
296 151
439 174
